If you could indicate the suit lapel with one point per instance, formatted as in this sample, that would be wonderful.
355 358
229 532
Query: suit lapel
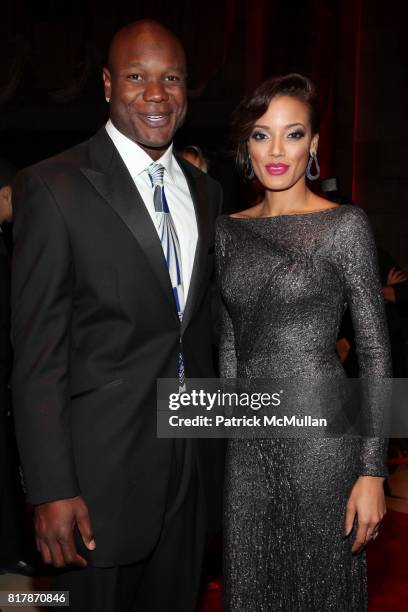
110 177
198 188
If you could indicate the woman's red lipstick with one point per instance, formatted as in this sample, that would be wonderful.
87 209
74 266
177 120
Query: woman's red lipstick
276 169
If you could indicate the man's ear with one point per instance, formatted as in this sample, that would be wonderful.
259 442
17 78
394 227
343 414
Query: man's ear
107 83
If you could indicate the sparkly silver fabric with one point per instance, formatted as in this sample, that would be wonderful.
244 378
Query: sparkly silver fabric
284 283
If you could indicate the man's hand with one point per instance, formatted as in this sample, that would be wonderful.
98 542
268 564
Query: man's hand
54 526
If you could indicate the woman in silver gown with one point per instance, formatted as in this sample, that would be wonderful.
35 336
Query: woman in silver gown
298 511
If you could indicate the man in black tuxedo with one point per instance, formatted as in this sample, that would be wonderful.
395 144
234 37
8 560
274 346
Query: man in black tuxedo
95 325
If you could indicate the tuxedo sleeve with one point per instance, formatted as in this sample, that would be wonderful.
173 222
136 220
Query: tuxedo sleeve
42 280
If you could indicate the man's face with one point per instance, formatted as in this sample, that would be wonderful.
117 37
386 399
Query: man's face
6 209
146 84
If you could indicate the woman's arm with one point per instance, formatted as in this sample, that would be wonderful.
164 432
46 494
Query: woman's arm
356 251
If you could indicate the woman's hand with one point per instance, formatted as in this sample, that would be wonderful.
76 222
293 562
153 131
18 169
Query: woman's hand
368 502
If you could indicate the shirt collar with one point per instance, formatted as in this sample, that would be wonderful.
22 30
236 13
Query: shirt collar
135 158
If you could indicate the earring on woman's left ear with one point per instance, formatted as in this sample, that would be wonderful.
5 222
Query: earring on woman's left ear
312 158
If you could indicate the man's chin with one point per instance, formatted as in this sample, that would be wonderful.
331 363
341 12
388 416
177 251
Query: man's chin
155 148
159 146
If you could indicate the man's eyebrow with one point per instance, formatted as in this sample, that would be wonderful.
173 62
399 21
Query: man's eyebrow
167 69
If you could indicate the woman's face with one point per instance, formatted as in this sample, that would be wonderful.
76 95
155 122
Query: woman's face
280 143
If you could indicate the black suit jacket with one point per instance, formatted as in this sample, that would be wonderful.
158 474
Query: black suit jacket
93 326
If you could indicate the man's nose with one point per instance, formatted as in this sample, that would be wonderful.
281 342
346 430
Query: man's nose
155 91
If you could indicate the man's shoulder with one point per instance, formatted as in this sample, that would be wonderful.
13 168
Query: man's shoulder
193 170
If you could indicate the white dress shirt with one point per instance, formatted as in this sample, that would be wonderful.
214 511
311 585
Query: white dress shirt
177 194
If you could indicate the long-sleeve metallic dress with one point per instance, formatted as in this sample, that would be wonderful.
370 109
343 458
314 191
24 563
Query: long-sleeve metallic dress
284 283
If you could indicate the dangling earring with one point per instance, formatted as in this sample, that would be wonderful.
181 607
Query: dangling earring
312 158
249 171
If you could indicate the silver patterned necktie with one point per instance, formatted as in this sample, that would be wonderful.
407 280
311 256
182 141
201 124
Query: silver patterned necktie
171 248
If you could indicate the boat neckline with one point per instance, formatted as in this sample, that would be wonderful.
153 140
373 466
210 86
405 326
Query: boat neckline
305 214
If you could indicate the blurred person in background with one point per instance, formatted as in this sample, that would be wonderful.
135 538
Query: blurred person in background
195 156
7 173
394 281
12 515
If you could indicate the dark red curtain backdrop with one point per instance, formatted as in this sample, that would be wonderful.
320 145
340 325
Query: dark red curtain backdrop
51 55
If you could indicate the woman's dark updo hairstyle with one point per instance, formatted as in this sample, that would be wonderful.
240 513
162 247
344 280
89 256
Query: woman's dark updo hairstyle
254 106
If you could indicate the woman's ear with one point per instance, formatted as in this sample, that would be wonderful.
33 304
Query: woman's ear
314 143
